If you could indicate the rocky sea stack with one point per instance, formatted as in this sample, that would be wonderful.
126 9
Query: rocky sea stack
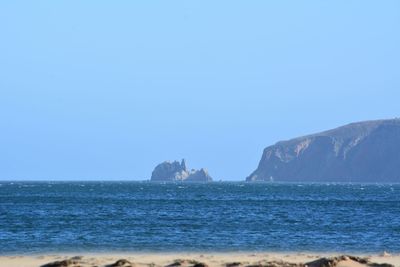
359 152
178 172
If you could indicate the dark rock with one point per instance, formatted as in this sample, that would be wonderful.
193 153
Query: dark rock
177 262
175 171
357 259
276 264
333 261
359 152
191 263
323 262
380 265
174 264
63 263
121 263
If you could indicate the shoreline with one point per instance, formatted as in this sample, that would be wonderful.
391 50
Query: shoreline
187 259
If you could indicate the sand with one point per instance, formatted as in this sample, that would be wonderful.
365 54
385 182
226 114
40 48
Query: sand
210 259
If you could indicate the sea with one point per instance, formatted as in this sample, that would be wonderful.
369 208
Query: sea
46 217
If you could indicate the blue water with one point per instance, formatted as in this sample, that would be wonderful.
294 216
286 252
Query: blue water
141 216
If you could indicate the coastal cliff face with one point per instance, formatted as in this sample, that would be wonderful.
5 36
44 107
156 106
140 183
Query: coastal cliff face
175 171
359 152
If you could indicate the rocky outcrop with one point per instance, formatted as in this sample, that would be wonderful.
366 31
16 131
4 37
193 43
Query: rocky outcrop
121 263
359 152
73 262
186 263
337 261
345 260
175 172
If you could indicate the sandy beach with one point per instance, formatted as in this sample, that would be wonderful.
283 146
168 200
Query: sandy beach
201 260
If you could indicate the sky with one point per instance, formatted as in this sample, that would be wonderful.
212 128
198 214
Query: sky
95 90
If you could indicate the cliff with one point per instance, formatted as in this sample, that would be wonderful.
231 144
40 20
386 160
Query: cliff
175 171
359 152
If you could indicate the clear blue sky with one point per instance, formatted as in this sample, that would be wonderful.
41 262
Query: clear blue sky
108 89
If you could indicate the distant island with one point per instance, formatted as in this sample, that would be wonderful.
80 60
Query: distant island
366 151
178 172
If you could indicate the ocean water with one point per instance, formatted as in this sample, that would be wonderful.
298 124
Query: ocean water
42 217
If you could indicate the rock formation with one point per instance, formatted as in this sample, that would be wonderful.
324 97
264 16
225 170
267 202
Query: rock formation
175 171
359 152
338 261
